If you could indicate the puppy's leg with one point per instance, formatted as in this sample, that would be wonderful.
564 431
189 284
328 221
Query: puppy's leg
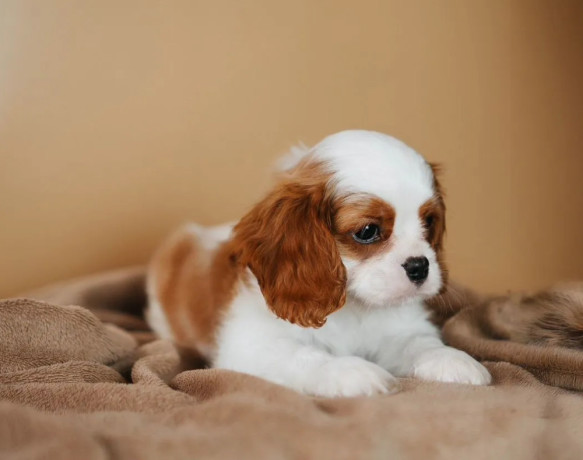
446 364
305 368
346 376
427 357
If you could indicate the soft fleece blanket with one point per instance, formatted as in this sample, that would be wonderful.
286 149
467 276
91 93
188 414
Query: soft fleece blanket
81 377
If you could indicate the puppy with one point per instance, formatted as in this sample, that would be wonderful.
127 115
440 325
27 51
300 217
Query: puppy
321 286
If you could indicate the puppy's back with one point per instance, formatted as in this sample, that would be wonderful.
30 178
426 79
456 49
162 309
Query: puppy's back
191 280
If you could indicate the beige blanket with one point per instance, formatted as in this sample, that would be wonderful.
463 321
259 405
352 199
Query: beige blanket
74 387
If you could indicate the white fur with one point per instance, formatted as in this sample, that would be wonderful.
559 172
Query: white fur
156 318
293 157
358 351
210 237
383 330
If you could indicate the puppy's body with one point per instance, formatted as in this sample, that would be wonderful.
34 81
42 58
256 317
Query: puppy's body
321 286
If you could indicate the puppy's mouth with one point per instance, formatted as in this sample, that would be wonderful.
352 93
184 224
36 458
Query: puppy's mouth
411 293
385 302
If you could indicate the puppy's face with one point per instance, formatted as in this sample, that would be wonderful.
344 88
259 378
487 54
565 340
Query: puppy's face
389 218
360 214
390 251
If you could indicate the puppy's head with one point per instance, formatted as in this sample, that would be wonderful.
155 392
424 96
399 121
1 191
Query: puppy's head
359 214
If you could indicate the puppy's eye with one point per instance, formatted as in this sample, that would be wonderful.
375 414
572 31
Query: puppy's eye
367 234
429 221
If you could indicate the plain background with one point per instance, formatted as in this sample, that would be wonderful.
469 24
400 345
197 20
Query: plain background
119 120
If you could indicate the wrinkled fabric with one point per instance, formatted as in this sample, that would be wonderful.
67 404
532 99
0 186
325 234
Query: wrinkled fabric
72 386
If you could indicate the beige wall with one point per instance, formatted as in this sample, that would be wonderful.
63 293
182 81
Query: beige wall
121 119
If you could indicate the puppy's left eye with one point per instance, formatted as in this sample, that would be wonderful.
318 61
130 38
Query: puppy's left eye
367 234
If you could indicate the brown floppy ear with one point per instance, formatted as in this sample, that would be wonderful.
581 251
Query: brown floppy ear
439 230
437 234
286 241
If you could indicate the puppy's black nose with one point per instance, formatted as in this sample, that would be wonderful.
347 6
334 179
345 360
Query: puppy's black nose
417 269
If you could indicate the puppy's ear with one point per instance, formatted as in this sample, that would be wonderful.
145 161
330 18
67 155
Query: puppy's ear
286 241
438 231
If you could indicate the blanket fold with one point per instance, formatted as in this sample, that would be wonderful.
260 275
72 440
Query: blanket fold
539 333
72 386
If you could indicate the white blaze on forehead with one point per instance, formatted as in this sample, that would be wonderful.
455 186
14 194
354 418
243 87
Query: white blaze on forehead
371 162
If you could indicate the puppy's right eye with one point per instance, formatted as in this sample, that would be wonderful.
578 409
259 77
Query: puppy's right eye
367 234
429 220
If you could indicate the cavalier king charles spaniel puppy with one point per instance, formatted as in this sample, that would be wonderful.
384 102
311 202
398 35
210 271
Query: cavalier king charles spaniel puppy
321 287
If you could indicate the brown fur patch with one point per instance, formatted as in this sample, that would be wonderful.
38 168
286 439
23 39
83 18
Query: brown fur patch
434 209
351 216
432 215
286 240
194 285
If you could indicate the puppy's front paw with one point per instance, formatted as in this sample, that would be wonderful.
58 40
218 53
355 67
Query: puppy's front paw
350 376
450 365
